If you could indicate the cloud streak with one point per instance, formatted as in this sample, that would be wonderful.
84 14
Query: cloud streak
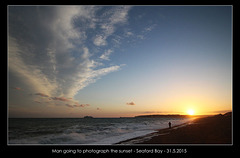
70 102
41 94
131 103
17 88
77 105
61 99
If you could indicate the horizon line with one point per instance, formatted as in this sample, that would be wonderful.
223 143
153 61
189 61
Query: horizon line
111 117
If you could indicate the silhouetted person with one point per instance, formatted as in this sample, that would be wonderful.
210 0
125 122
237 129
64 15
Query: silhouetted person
169 124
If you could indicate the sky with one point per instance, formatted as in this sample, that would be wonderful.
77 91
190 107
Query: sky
119 61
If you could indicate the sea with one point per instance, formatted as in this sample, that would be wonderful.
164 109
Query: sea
84 131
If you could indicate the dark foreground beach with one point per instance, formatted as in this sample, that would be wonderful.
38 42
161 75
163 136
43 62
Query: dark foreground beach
208 130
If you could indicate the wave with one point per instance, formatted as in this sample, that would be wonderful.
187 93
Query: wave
92 131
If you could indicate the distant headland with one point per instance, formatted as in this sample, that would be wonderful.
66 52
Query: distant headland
88 117
159 116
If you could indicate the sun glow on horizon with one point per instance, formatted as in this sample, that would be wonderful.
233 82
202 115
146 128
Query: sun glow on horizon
190 112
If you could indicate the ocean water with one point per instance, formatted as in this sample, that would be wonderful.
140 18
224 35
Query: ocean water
98 131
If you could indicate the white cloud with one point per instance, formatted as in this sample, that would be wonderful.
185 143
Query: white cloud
140 37
63 23
120 15
115 16
145 31
150 28
86 53
100 40
108 28
106 54
129 34
84 79
104 71
51 52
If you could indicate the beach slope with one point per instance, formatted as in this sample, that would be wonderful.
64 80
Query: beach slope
209 130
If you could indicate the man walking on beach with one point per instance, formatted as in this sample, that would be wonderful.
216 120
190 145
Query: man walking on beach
169 124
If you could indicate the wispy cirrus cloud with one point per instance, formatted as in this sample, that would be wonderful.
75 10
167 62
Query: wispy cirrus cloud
149 28
53 55
100 40
106 54
61 99
108 22
31 74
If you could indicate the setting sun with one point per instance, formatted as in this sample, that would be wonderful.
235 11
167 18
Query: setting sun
190 112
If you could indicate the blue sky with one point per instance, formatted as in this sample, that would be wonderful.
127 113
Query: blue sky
111 61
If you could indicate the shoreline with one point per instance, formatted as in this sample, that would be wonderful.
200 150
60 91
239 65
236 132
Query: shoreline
162 131
215 129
